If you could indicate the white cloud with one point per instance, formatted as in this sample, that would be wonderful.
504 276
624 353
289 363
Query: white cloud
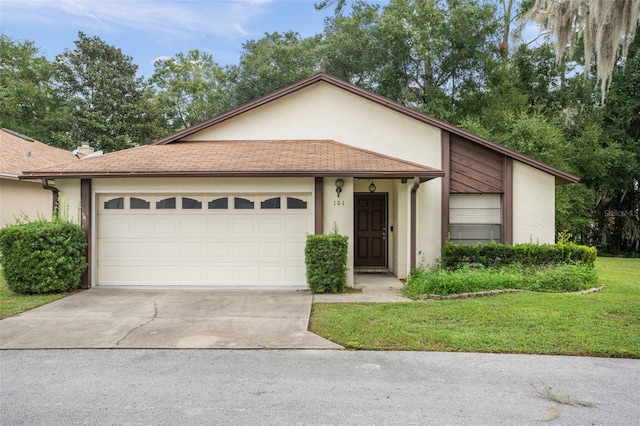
159 59
168 18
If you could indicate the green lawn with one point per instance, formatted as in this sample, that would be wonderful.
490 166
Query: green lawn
13 303
595 324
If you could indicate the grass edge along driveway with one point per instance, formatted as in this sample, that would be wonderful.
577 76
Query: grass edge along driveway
603 324
14 303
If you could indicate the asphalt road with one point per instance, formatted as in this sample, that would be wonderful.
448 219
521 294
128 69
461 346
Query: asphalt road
224 387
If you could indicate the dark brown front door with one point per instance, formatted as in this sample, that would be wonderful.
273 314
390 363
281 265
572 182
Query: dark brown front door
371 230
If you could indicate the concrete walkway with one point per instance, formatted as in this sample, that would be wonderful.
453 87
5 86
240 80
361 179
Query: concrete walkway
380 288
161 318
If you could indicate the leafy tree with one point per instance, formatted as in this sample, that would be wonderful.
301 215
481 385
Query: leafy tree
606 28
190 88
112 106
272 62
436 51
353 49
618 208
27 102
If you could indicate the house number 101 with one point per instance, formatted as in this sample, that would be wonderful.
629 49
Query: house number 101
338 203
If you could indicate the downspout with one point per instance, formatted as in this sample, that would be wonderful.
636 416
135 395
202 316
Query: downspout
55 192
413 240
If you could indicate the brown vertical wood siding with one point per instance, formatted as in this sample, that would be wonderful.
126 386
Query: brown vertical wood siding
85 223
319 203
475 169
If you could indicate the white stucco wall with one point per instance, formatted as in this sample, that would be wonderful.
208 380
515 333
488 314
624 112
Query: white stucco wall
402 241
323 111
429 222
533 205
338 212
69 200
18 198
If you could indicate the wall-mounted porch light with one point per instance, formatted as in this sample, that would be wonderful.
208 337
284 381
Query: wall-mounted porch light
372 187
339 185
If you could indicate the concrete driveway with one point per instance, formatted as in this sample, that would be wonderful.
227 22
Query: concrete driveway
167 318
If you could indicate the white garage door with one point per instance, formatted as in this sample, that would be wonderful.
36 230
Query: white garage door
202 240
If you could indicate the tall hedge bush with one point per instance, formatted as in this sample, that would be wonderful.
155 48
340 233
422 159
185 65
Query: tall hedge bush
456 256
326 260
42 256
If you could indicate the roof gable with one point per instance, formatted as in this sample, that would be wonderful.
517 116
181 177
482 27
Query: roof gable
561 176
19 153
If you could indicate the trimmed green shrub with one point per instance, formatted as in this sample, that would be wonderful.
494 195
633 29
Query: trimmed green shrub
550 278
455 256
42 256
326 260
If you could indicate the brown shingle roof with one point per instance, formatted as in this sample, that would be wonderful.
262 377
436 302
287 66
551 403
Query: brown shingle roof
561 176
19 153
241 158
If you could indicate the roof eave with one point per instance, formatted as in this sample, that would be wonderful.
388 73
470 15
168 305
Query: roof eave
423 175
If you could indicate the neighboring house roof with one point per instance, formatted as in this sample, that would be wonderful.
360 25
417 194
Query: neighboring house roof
19 153
562 177
241 158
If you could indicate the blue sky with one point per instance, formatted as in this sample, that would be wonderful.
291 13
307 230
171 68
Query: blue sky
151 29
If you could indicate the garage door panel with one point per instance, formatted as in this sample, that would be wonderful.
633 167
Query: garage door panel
191 225
297 225
139 226
244 225
270 250
218 249
295 274
165 226
193 274
245 275
165 274
142 274
295 250
113 274
270 274
218 225
270 225
211 246
219 275
111 249
166 249
191 250
112 227
140 249
244 250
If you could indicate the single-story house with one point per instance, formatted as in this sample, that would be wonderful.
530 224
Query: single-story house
230 201
30 198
